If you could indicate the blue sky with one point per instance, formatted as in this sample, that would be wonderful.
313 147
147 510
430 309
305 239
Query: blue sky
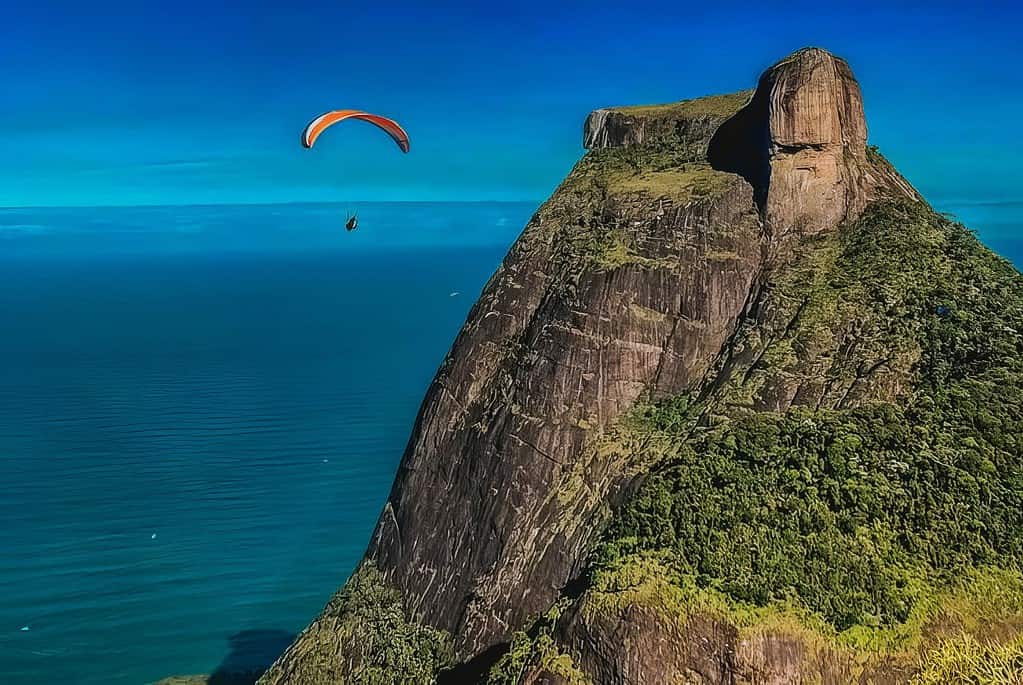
203 102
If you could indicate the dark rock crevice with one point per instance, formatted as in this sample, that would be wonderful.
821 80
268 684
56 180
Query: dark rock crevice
741 146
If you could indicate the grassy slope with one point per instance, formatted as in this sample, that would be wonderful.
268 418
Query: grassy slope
711 105
605 181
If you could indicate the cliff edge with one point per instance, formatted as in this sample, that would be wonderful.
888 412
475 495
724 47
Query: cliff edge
693 397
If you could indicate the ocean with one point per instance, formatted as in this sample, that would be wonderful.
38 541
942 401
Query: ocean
201 413
202 410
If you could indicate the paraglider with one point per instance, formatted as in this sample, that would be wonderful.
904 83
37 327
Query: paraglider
325 121
321 123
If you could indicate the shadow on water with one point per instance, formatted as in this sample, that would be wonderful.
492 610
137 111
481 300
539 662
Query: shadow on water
250 653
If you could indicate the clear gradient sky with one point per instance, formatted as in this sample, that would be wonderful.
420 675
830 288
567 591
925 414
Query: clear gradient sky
203 102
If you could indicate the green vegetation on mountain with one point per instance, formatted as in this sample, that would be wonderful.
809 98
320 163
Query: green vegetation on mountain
965 660
978 601
368 618
624 183
536 650
858 518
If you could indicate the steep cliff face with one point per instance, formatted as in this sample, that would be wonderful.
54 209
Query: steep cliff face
818 143
688 257
492 511
613 293
688 125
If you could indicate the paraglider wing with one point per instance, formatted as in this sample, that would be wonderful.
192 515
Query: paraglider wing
325 121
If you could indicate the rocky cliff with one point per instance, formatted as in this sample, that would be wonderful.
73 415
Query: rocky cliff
599 485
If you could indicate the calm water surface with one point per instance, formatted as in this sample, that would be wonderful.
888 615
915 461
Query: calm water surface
201 413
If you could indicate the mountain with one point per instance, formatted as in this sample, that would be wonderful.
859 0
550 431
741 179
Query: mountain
738 406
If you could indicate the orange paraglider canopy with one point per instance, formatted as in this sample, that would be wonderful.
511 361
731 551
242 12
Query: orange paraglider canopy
325 121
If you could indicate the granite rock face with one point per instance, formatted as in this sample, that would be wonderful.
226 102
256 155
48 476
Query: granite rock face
638 643
494 505
624 288
687 124
802 143
818 143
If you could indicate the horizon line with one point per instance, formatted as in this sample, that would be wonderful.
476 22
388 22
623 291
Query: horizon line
157 205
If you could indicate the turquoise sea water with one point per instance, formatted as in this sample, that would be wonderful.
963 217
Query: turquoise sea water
202 409
201 413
